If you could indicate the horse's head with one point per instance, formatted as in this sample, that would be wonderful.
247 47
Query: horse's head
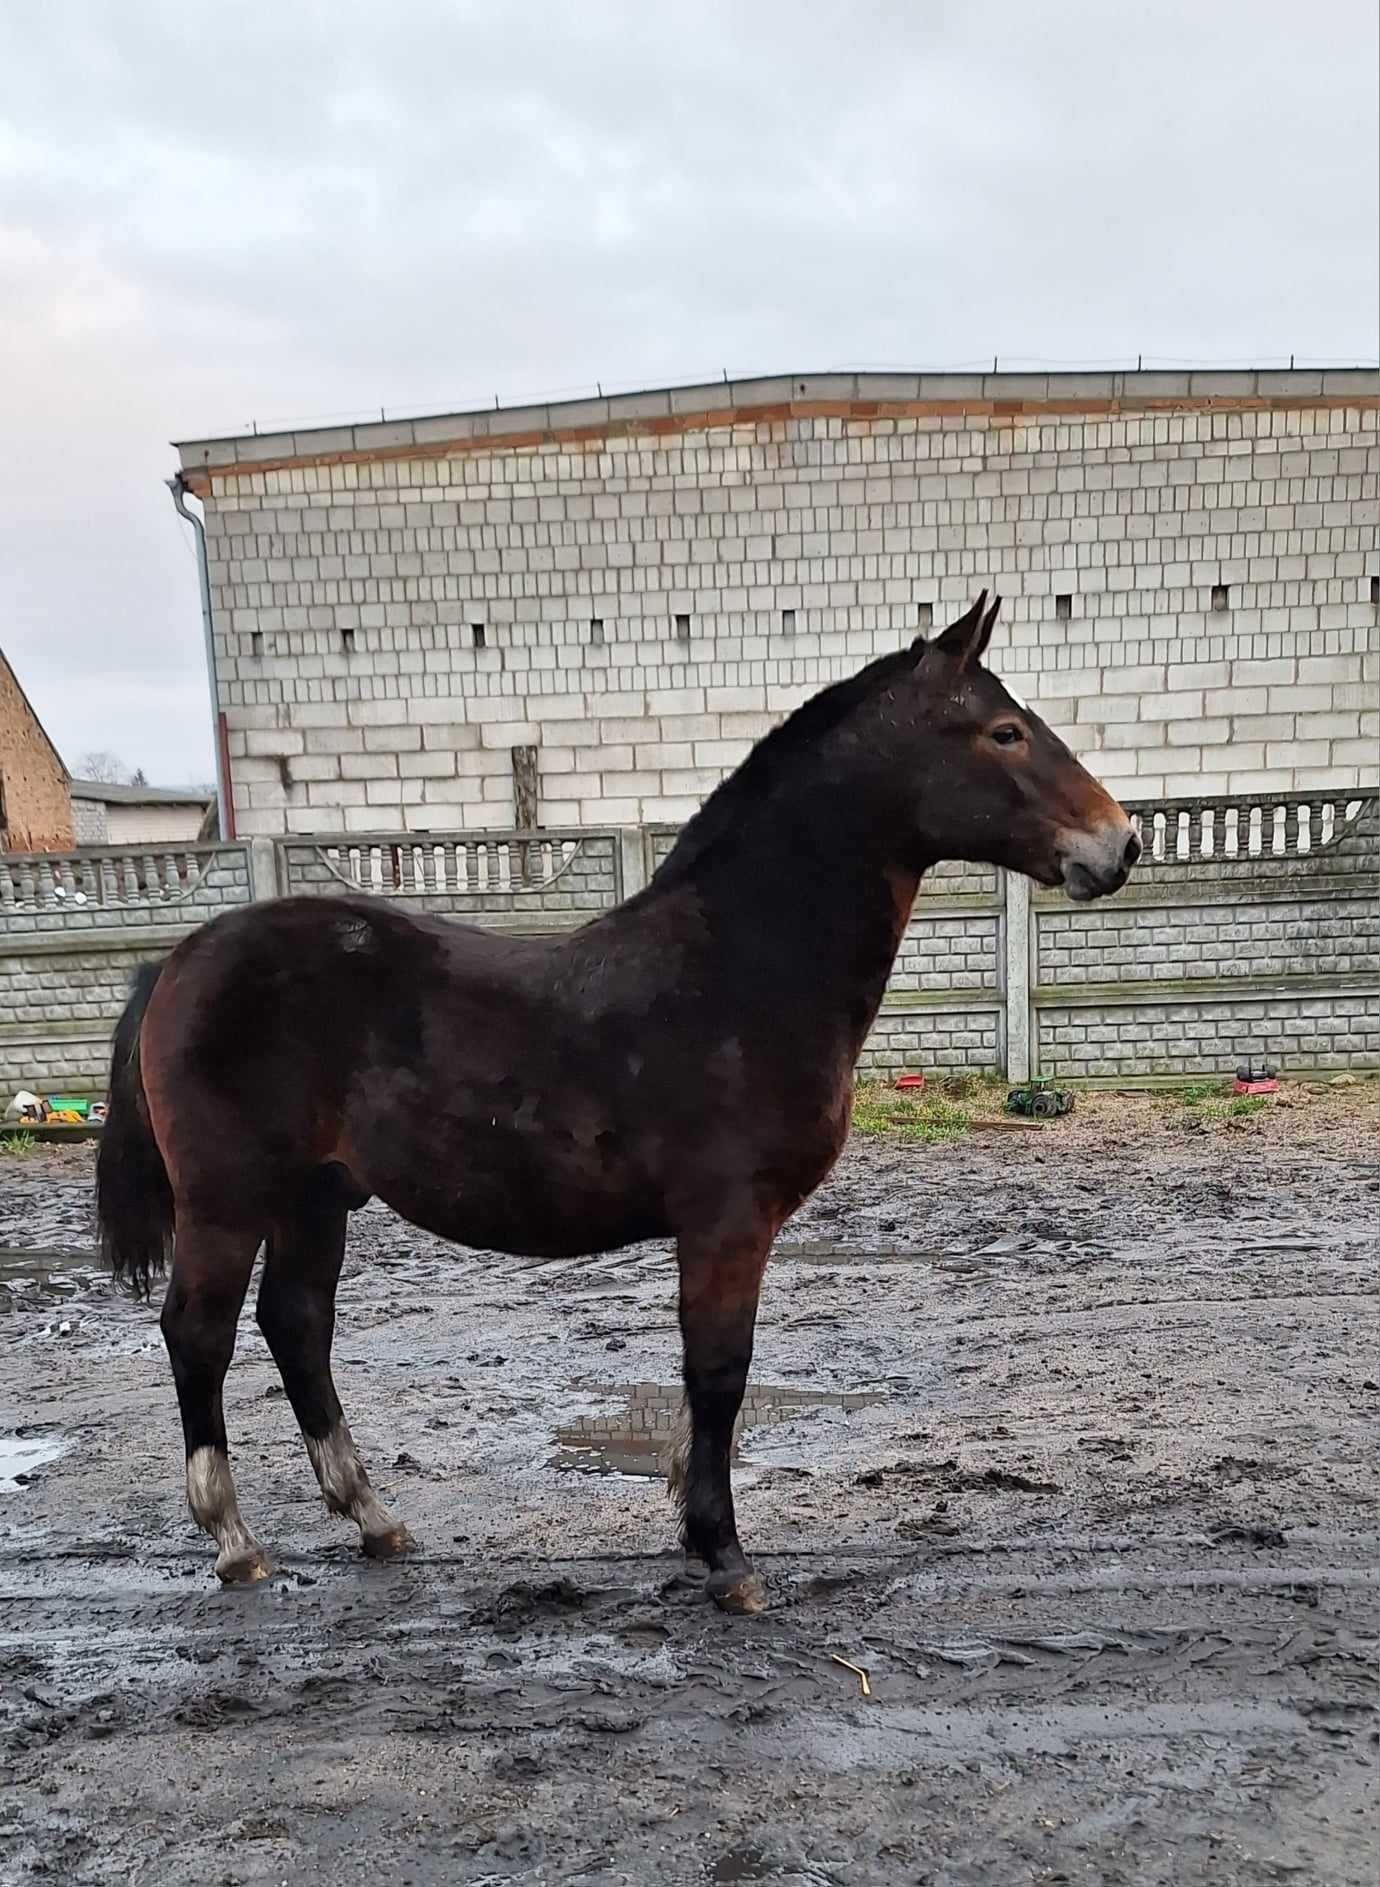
1000 788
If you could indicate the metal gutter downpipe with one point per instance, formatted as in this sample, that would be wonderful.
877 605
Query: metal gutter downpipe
225 804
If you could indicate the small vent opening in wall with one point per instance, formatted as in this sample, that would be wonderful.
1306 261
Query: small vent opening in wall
256 642
477 634
1221 597
347 641
1063 606
1375 591
788 622
924 615
683 628
596 631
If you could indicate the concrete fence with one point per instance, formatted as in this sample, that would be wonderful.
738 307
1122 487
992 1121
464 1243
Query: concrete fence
1252 927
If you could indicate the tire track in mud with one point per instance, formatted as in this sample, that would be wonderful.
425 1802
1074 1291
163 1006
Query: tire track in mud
985 1682
945 1637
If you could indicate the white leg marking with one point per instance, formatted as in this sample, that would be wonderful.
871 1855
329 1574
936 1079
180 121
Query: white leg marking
215 1508
346 1486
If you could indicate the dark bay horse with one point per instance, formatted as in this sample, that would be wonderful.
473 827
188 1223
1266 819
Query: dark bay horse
680 1067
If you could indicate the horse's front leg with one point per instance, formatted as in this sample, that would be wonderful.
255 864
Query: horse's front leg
720 1278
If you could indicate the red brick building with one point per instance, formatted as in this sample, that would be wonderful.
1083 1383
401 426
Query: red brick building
35 796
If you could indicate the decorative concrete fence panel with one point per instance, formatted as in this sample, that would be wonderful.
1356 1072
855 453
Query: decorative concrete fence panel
1252 928
73 927
945 1005
505 880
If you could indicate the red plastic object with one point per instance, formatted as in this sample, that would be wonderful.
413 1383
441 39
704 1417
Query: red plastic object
1265 1085
909 1081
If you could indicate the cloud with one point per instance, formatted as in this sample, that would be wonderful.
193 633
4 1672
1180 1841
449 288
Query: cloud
284 212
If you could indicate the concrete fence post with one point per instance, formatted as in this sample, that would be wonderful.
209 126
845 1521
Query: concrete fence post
632 860
263 870
1017 977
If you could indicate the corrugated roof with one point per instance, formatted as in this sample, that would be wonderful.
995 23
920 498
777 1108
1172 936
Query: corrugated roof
117 795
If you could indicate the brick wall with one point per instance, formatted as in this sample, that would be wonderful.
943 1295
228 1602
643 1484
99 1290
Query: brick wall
37 810
122 822
639 590
1299 1034
89 823
1200 939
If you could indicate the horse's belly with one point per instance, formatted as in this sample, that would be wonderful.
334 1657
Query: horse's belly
525 1232
516 1200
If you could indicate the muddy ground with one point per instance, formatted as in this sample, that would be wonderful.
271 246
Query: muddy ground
1067 1437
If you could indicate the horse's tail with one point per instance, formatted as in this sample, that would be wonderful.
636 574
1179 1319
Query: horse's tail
134 1201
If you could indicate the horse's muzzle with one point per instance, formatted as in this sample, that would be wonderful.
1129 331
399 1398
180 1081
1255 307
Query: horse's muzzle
1094 864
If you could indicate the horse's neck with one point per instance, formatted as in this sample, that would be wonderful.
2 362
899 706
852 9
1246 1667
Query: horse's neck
819 914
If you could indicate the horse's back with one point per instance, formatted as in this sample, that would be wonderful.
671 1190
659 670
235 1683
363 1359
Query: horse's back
455 1073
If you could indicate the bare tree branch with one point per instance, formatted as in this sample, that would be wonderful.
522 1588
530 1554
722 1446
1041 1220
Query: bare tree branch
106 768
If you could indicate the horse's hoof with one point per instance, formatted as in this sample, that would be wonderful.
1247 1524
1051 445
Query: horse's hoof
243 1567
740 1593
390 1545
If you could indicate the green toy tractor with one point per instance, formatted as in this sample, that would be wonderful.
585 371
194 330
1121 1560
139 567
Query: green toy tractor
1039 1099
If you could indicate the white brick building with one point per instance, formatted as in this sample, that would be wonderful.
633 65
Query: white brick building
105 814
637 587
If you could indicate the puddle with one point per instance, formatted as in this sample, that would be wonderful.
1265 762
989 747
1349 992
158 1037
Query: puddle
635 1442
36 1279
823 1254
954 1259
20 1456
742 1864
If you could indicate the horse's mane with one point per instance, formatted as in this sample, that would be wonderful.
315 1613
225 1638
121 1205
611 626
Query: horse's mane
750 782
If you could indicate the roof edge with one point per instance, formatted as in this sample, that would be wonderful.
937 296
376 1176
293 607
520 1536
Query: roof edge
862 395
121 793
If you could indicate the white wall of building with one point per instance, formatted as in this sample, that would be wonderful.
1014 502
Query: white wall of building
111 822
1192 584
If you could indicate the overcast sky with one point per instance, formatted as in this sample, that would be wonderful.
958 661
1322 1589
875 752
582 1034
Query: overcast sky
278 212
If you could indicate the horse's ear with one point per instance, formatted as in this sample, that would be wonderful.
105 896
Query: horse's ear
966 640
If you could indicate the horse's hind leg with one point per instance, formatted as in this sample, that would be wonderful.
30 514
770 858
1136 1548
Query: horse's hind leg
296 1313
211 1267
719 1283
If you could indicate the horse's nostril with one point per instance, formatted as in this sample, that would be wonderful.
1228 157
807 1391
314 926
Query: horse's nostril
1131 853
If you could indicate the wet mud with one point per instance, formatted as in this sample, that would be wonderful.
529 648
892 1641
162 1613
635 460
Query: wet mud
1061 1466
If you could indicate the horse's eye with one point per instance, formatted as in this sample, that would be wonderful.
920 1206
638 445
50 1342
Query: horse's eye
1008 734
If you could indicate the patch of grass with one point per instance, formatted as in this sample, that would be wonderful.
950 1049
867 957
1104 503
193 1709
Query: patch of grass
1218 1109
926 1117
18 1146
1194 1093
940 1120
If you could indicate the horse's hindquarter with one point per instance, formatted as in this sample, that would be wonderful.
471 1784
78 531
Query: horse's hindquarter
316 1033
